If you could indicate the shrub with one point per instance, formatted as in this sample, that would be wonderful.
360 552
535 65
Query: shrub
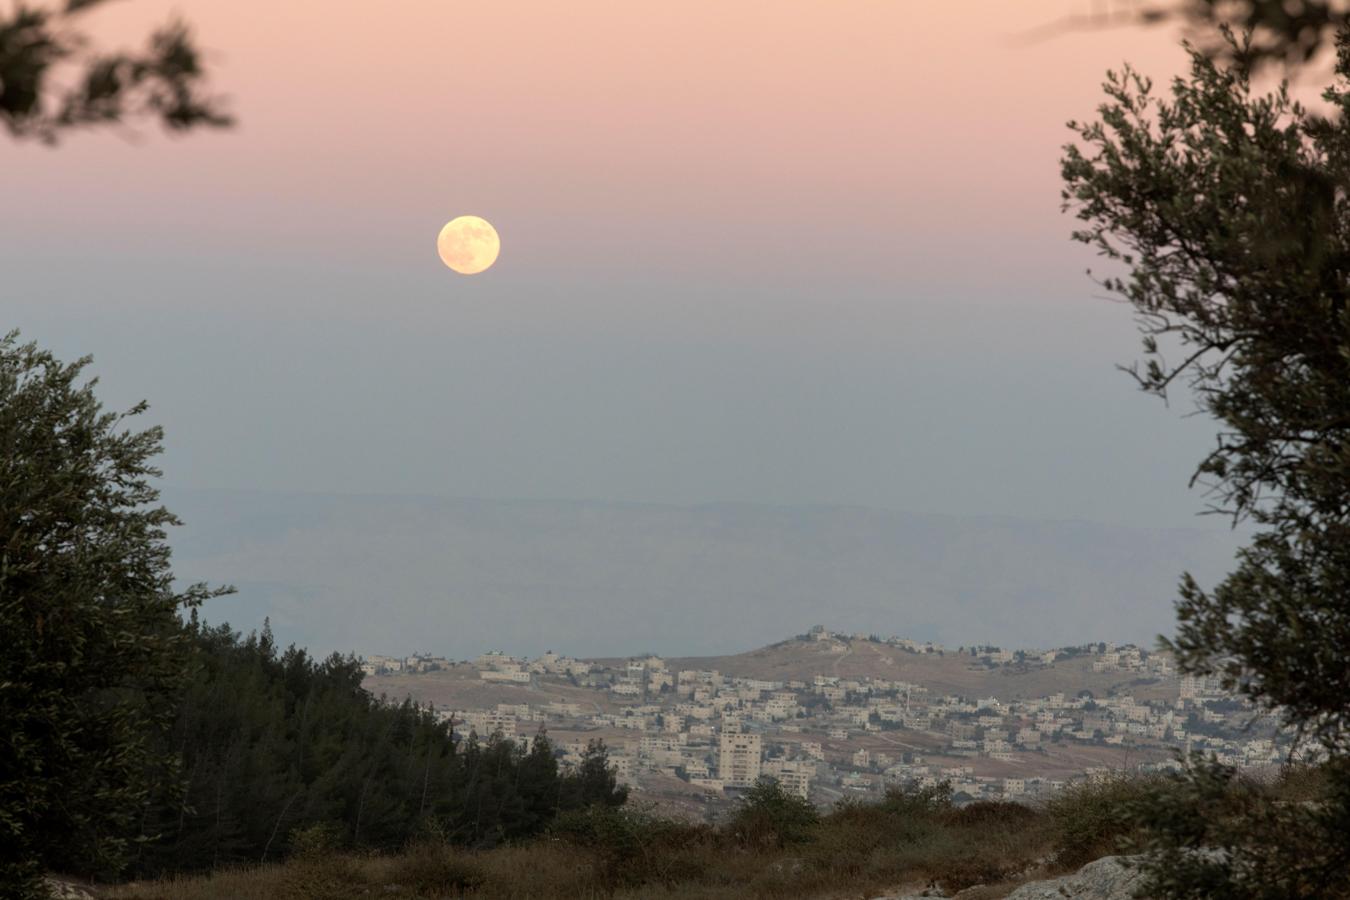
1254 844
770 816
844 844
436 869
1303 783
1091 820
319 839
609 827
992 812
918 802
633 846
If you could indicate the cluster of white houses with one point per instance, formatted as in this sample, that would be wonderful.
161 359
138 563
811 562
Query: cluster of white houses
719 732
395 665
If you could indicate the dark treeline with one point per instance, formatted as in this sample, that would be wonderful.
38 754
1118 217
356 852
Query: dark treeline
280 751
135 742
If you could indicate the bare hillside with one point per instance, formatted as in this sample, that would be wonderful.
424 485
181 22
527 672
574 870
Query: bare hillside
950 673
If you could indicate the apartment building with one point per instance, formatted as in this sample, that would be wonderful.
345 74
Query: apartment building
739 759
795 775
489 722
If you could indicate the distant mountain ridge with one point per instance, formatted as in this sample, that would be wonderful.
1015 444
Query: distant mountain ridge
376 573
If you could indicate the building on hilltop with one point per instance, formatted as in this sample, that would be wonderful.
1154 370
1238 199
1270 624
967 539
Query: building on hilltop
425 662
515 676
381 665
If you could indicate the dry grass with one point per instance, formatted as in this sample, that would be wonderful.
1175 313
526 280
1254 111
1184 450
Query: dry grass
858 850
910 840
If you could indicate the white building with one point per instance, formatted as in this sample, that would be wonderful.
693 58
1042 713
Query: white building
489 722
513 676
739 759
794 775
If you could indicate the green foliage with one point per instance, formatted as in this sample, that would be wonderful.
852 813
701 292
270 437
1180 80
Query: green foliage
282 754
162 81
859 849
770 816
134 739
1230 212
602 826
1303 783
93 648
595 782
916 832
918 801
274 743
633 846
316 840
1213 833
992 812
1091 820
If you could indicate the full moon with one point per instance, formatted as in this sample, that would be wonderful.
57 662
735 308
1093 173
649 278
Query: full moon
468 244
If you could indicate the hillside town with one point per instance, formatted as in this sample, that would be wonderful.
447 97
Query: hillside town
695 736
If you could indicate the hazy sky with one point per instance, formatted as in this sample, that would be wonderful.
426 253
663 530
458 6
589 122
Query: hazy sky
754 251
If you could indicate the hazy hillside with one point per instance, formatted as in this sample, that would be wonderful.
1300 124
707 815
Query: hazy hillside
951 673
460 687
397 574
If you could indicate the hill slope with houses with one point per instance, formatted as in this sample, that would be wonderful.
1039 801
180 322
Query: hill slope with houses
837 714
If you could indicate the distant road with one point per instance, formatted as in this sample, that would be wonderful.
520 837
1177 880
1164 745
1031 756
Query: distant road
843 656
890 740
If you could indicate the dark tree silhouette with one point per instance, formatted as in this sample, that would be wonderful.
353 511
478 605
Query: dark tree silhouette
94 650
164 81
1230 213
1288 32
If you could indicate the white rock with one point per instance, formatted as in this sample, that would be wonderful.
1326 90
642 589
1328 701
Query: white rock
928 893
1108 878
65 890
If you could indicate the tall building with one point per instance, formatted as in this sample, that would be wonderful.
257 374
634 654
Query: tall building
739 760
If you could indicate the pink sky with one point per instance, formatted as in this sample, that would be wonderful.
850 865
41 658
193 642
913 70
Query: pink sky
888 141
771 251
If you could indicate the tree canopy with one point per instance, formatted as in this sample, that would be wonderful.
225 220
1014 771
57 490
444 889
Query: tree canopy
1230 212
135 740
89 619
279 749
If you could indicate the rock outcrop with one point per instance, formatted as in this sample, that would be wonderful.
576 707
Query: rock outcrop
60 889
1108 878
